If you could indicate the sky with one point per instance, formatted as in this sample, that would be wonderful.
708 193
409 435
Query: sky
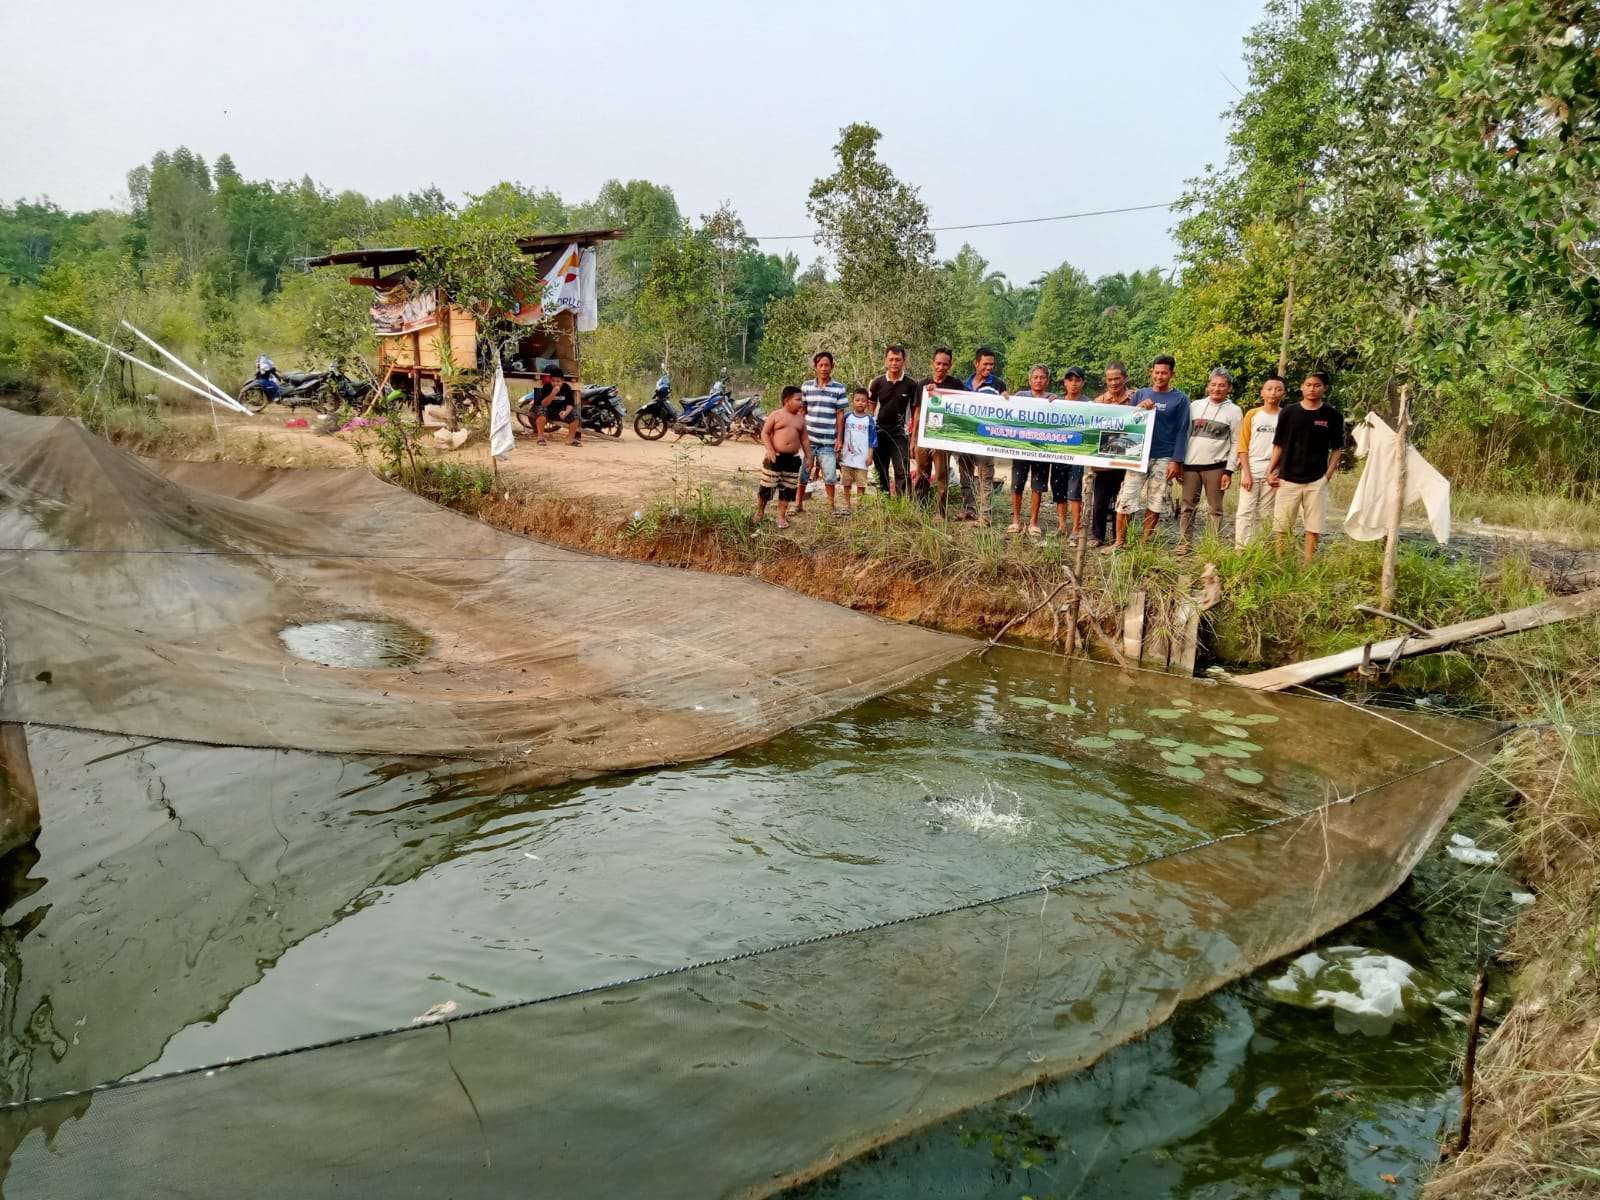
996 110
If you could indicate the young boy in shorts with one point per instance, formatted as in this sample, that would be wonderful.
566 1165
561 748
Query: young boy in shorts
859 444
788 447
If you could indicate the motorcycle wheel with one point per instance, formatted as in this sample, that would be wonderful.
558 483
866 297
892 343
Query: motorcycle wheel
254 397
715 433
614 425
649 426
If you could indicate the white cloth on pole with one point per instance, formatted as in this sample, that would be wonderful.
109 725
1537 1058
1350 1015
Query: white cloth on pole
500 436
1368 518
588 291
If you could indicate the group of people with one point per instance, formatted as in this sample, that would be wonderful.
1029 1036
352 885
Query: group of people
1282 456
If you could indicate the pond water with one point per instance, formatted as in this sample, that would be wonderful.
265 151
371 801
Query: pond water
356 642
191 906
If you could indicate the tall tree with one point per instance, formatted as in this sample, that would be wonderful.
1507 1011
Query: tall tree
875 226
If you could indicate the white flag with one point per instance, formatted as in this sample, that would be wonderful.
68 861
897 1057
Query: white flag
588 292
500 439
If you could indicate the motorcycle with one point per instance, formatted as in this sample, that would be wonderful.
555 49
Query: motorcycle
746 419
704 416
322 390
600 409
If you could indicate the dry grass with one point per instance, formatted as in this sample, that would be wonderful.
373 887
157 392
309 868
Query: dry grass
1537 1126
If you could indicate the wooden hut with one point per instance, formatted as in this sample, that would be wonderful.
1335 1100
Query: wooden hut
419 334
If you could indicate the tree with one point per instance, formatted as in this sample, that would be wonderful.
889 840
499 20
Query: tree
874 226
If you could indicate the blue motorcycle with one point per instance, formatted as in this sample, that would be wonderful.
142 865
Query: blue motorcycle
705 417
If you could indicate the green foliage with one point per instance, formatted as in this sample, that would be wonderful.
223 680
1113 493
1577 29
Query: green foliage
874 225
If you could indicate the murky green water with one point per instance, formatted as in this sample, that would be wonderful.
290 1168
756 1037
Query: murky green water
192 906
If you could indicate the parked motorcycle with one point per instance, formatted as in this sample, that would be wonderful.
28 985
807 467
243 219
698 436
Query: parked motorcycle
746 419
599 405
322 390
704 416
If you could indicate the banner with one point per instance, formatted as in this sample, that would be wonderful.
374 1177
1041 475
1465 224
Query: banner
412 315
500 435
560 288
1077 432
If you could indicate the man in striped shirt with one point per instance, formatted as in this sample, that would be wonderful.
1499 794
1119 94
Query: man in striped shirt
826 404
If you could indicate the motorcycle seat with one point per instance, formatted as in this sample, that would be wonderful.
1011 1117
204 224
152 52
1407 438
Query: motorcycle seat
297 376
595 390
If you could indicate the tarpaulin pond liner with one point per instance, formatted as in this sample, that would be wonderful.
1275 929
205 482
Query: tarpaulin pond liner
726 997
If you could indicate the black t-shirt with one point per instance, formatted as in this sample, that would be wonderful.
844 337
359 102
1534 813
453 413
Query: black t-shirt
893 401
1308 436
951 384
560 394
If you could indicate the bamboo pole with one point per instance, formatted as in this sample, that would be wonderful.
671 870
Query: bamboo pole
179 363
139 362
1397 496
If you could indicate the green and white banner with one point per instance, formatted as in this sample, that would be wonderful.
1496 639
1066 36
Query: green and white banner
1077 432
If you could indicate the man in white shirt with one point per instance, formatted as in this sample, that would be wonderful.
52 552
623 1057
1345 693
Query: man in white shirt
1211 455
1255 457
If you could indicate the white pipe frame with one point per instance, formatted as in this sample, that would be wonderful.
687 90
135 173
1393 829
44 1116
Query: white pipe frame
178 362
139 362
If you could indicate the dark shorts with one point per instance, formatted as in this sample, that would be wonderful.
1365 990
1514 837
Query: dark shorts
1023 473
782 475
1066 483
560 410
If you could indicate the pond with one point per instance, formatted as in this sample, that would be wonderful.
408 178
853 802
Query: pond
191 906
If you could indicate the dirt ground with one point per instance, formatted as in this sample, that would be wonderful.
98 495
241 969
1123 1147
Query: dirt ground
620 472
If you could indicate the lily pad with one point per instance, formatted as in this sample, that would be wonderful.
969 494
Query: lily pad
1244 745
1218 714
1231 731
1166 714
1030 701
1243 774
1180 702
1195 749
1125 734
1066 710
1094 743
1182 772
1229 751
1178 758
1256 719
1165 743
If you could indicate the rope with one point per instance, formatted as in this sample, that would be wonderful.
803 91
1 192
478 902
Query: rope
746 955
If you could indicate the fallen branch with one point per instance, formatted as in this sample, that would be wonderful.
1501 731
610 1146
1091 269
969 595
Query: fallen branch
1069 581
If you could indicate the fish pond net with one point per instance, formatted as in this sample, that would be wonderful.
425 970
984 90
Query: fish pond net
216 794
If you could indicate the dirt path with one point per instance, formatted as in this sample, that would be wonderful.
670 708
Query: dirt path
619 472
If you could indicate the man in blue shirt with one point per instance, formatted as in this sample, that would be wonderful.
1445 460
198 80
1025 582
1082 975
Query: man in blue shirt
977 470
1150 491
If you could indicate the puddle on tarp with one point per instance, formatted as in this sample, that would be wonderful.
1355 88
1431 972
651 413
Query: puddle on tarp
356 642
343 896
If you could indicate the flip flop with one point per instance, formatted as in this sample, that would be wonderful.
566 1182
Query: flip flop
783 525
1035 531
1014 527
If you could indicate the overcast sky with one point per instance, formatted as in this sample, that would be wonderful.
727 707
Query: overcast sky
995 110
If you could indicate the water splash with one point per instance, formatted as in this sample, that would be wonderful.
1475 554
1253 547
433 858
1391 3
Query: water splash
994 810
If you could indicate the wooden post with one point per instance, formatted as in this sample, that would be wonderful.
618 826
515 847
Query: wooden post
1288 300
19 795
1397 497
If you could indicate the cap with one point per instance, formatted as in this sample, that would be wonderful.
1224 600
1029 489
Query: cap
1074 373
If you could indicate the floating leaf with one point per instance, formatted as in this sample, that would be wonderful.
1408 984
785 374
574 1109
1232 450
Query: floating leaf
1231 731
1218 714
1066 710
1029 701
1125 734
1178 758
1252 747
1094 743
1195 749
1182 772
1255 719
1165 743
1166 714
1229 751
1243 774
1179 702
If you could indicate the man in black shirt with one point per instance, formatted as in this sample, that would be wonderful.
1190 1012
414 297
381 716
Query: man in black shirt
930 469
556 403
893 395
1305 454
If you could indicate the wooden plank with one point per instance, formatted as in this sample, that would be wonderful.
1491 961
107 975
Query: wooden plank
1563 608
1185 637
1133 627
19 795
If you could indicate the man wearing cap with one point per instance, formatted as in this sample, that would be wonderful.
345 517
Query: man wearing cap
1212 454
557 404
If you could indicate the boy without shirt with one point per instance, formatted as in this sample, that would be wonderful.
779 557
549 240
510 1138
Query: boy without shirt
788 447
1256 497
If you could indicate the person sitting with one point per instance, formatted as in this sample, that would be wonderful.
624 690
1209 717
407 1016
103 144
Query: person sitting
555 403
